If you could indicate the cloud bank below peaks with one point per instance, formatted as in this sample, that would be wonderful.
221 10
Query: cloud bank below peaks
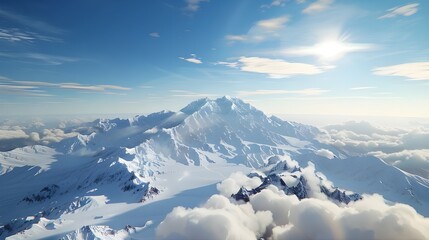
405 149
271 214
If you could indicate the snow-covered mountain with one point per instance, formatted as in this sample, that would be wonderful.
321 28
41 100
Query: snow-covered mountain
129 173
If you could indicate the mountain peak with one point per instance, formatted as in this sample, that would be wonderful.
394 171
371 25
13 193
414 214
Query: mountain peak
222 104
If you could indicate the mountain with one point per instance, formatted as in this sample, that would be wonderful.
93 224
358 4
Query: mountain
115 175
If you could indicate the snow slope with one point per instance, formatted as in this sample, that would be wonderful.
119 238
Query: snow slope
130 173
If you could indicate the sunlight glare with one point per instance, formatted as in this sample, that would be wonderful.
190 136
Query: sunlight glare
330 50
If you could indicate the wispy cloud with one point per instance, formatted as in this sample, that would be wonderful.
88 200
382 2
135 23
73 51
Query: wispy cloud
17 35
29 22
274 3
406 11
275 68
317 6
154 34
236 38
228 64
412 71
193 5
192 59
185 93
22 90
97 88
361 88
261 30
306 92
272 24
40 58
37 88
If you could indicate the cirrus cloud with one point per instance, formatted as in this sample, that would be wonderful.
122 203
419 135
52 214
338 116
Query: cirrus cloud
412 71
406 10
193 5
154 35
275 3
275 68
261 30
317 6
18 35
38 88
192 59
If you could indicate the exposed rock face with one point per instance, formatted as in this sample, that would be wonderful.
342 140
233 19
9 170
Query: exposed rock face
289 177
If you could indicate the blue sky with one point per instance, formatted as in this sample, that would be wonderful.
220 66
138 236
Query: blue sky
367 58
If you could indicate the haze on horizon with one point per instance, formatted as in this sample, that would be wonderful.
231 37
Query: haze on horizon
363 58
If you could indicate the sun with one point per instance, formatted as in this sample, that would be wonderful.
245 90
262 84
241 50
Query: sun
330 50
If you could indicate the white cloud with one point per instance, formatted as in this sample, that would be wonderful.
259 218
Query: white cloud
34 136
361 88
97 88
405 149
325 153
272 24
406 11
261 30
192 59
412 71
271 214
32 133
228 64
193 5
32 23
12 134
17 35
218 218
235 181
275 3
317 6
306 92
40 58
34 88
275 68
154 34
236 38
113 87
412 161
55 135
51 59
22 90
